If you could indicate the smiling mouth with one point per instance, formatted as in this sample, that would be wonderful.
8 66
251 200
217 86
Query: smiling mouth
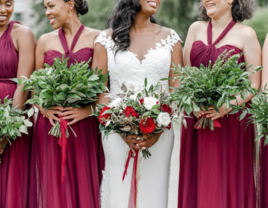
209 5
153 4
2 17
51 21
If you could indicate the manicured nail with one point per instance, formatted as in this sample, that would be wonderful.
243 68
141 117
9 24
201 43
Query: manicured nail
143 148
137 145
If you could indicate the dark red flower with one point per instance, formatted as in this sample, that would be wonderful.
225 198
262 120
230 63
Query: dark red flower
166 108
142 101
147 126
169 126
105 116
130 111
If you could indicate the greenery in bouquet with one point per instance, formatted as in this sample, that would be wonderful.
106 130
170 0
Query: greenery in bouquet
138 112
13 122
213 86
60 85
258 112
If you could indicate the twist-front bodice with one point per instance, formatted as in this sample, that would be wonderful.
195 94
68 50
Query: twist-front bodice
83 54
202 53
9 57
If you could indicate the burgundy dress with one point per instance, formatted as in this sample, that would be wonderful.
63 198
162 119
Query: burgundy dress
85 157
14 170
216 167
264 173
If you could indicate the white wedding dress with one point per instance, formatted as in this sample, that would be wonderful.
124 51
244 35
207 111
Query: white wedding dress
152 59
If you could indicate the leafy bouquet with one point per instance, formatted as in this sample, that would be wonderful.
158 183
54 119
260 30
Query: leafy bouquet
204 87
13 122
259 114
60 85
137 112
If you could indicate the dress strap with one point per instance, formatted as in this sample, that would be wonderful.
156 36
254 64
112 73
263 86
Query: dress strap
11 25
225 31
64 41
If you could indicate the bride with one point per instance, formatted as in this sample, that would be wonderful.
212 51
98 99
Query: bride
134 48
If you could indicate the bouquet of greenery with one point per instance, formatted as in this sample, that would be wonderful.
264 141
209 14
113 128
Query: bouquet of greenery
13 123
58 85
204 87
258 112
132 112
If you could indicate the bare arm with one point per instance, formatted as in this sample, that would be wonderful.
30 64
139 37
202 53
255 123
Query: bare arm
26 46
176 58
100 60
265 63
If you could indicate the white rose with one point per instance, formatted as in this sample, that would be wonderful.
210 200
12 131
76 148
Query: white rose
149 102
163 119
115 103
49 71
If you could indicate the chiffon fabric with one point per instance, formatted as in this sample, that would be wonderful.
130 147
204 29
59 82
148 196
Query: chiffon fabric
264 173
14 169
85 157
216 167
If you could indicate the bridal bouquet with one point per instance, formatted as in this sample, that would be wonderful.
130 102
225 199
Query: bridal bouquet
60 85
13 123
147 111
204 87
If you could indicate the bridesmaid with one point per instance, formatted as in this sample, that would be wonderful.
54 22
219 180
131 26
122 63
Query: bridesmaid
264 158
17 45
85 159
216 168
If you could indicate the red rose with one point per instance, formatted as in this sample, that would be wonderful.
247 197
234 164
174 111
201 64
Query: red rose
130 111
147 126
142 101
169 126
166 108
105 116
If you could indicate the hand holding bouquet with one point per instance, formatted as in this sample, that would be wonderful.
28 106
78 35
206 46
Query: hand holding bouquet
13 123
205 87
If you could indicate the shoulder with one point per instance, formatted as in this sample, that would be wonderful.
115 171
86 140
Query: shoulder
247 33
197 26
22 32
48 36
91 33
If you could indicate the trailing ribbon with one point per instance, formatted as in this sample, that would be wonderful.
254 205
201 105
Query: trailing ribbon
63 143
133 190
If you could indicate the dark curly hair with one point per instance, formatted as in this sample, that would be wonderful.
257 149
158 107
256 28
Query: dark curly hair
241 10
80 6
121 21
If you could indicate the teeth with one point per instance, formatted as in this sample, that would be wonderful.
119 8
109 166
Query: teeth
52 20
153 4
3 17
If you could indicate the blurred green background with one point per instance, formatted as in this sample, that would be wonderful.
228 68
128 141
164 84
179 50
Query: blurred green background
176 14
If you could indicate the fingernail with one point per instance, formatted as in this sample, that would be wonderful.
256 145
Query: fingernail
144 148
138 138
137 145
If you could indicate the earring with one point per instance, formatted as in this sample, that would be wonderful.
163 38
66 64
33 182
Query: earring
70 14
230 5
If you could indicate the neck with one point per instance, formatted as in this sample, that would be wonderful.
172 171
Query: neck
4 28
71 26
142 24
223 21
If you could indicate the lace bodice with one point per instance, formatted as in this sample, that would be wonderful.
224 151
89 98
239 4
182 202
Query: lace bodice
125 67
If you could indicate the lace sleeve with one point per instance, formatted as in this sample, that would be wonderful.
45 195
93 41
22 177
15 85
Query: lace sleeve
102 39
174 39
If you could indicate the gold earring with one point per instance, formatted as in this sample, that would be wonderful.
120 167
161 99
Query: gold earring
70 14
230 5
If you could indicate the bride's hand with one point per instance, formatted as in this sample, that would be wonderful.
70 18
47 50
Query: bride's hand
131 141
148 141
